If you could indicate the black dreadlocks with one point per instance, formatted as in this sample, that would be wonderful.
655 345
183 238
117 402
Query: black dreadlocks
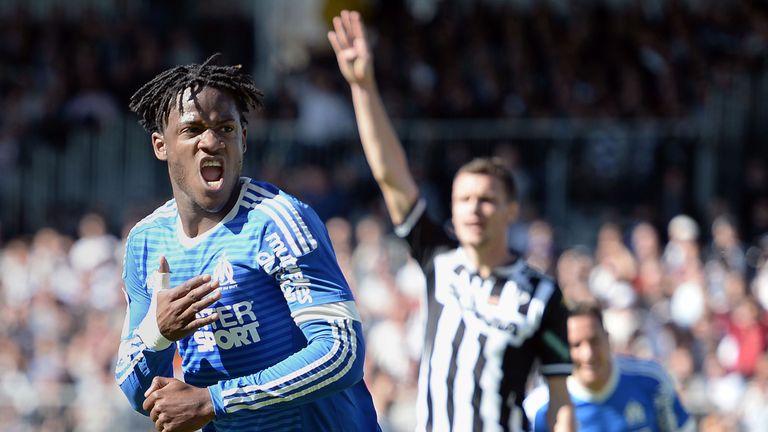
152 102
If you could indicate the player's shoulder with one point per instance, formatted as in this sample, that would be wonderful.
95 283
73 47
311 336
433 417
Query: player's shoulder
532 273
280 216
161 219
529 279
641 369
271 202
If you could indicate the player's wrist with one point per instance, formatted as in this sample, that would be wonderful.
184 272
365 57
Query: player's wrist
366 84
149 333
217 401
149 330
205 406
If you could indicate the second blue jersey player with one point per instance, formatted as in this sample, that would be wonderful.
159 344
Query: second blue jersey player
237 275
611 393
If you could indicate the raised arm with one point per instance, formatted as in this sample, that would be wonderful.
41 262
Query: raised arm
383 150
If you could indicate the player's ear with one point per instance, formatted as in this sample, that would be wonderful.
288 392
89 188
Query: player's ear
245 136
158 145
513 209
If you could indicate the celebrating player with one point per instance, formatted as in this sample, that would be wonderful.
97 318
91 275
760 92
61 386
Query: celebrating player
611 393
489 316
266 325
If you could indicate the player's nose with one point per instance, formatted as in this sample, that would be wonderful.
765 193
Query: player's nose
210 141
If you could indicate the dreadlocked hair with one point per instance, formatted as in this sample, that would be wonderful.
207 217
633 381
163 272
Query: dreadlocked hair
153 101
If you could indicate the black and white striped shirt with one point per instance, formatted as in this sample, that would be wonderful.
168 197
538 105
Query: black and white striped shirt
482 334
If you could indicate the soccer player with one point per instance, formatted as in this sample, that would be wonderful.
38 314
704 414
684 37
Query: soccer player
611 393
266 325
489 315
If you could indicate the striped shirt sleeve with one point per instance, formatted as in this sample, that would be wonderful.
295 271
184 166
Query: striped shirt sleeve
552 341
138 364
332 361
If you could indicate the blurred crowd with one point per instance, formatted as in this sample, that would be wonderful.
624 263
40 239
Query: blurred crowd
690 295
691 292
521 59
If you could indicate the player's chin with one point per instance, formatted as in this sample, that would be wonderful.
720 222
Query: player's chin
214 201
472 239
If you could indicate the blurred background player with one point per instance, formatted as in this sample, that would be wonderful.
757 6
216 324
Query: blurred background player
611 393
489 315
263 319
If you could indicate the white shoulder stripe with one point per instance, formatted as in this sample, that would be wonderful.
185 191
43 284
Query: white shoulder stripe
289 239
298 233
295 230
252 197
260 190
300 221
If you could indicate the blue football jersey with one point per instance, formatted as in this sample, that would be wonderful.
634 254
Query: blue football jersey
638 397
287 351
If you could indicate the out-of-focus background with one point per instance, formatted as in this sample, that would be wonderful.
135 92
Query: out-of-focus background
634 128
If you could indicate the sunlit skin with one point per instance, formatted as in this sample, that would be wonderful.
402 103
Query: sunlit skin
590 352
481 213
207 129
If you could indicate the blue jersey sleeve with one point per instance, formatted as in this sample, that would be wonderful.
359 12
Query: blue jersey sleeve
332 361
137 365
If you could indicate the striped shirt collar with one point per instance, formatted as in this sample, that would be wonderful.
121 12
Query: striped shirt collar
190 242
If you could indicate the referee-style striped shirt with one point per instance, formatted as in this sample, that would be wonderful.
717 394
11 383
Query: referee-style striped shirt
482 335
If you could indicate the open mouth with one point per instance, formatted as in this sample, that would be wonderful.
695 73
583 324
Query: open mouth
212 172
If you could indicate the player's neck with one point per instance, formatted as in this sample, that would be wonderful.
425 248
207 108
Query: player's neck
601 385
197 224
486 258
196 221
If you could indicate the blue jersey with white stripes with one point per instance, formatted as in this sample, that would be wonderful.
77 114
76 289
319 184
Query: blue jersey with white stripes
638 397
287 351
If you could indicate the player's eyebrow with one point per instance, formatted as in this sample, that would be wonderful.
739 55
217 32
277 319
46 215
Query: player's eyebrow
195 118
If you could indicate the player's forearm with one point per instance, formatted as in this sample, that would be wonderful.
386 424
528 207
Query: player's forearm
137 366
332 361
561 419
560 416
383 151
